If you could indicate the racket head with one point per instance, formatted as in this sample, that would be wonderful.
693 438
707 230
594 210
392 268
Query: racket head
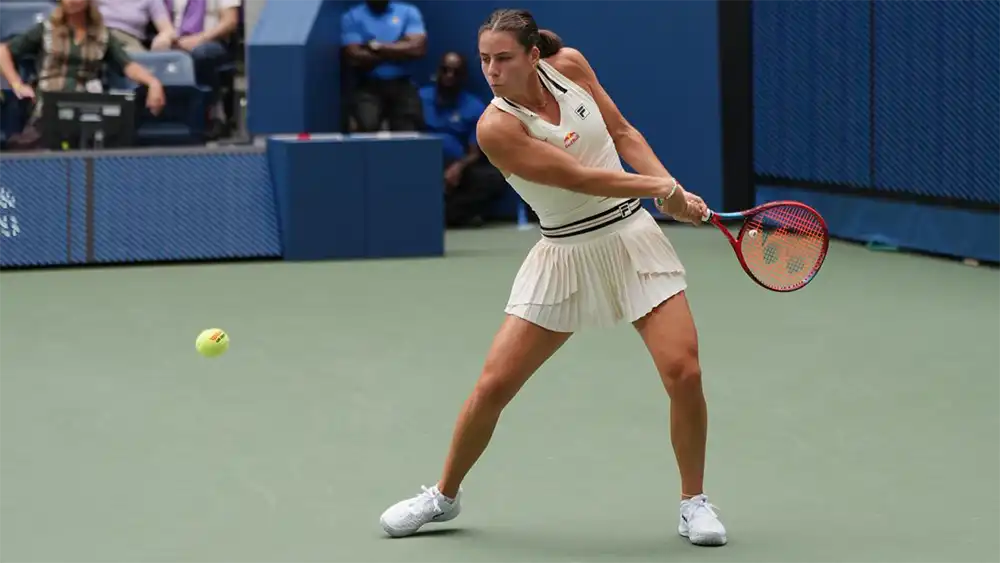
782 245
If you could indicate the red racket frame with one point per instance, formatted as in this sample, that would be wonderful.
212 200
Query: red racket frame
719 219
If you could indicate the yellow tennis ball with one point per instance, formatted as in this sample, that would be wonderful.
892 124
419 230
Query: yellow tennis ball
212 342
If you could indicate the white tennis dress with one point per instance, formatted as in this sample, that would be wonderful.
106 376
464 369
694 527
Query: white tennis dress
601 260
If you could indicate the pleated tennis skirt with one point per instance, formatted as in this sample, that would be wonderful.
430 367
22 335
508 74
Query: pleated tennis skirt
617 273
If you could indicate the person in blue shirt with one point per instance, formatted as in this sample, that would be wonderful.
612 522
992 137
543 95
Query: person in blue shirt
380 39
471 182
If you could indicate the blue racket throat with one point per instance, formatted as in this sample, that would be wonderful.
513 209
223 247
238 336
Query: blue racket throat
722 216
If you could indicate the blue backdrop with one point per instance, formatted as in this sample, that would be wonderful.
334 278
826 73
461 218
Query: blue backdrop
899 96
293 68
321 198
659 61
812 90
900 99
124 206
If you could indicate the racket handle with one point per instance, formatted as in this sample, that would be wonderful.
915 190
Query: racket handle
708 212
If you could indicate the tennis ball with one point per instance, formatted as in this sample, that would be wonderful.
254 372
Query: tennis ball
212 342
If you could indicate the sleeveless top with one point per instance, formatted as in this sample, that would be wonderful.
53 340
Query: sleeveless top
583 134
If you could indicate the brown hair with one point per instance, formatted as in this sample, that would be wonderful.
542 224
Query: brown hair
522 24
95 21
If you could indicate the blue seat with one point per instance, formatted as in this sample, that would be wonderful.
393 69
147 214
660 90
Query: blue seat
182 121
17 17
173 68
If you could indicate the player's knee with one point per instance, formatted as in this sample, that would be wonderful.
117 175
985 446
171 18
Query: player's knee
494 390
683 374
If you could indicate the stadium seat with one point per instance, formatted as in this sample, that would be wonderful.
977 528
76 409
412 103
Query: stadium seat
182 121
16 17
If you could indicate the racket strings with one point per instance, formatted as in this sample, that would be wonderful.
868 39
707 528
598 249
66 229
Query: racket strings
784 246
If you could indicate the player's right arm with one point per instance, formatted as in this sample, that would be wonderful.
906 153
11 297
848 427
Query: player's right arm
508 146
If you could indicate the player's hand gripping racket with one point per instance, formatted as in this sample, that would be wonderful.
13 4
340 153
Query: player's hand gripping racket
782 244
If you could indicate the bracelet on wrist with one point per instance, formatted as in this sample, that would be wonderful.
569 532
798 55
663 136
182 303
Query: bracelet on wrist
661 200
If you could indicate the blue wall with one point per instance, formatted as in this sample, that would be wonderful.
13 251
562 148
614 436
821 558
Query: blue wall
898 98
293 68
811 90
659 61
937 98
324 198
176 205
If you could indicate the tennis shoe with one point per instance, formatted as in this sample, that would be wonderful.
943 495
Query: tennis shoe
699 522
407 516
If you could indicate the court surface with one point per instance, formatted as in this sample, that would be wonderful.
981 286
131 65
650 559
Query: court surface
856 420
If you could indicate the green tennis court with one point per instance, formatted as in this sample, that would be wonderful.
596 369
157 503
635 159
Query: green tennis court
856 420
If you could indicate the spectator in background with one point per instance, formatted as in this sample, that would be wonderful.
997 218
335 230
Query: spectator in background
471 182
128 19
379 40
204 28
71 48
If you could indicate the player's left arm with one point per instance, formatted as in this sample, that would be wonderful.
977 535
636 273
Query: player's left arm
631 145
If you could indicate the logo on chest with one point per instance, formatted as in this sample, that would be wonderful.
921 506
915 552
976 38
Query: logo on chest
570 139
582 111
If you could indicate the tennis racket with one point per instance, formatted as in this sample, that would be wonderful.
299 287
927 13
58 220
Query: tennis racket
781 245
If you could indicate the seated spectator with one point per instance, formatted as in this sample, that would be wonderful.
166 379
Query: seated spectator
471 182
71 48
128 19
204 28
379 40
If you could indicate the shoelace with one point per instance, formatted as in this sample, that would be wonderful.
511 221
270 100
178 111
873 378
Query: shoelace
700 504
429 495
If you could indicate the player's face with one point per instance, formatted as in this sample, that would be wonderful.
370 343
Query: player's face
507 65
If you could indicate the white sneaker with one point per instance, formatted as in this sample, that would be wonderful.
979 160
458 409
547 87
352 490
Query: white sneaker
407 516
699 522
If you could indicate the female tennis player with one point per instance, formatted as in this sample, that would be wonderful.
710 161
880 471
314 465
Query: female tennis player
557 136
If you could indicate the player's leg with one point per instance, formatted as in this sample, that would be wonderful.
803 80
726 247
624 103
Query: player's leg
518 350
670 335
